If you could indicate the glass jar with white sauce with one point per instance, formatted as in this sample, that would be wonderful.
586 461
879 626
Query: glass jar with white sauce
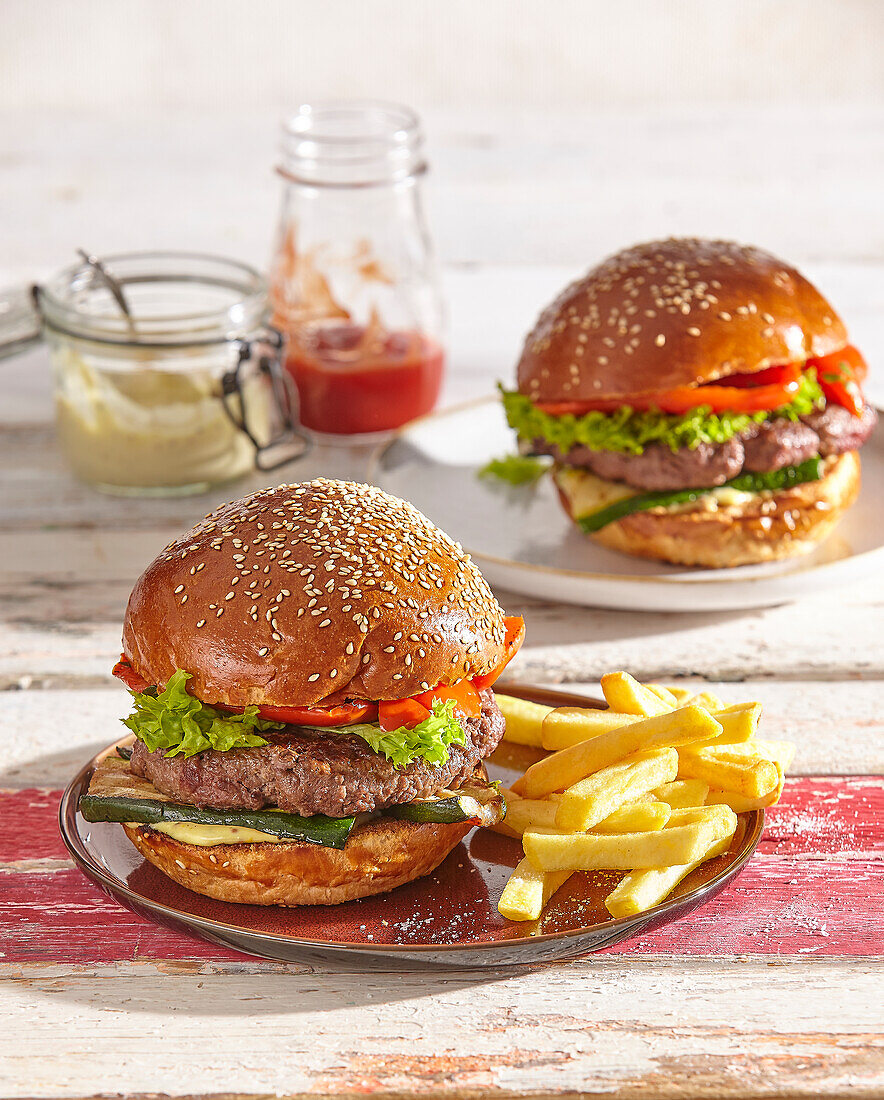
167 378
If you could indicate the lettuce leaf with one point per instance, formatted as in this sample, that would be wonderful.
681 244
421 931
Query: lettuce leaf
629 431
429 740
178 722
516 469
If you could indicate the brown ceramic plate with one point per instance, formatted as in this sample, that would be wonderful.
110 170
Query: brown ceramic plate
449 918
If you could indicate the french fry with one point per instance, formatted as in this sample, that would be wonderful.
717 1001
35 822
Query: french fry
651 787
708 700
642 890
682 792
680 695
778 752
528 890
665 695
639 817
687 815
566 767
624 693
524 720
560 732
596 797
749 775
740 803
680 844
738 723
782 753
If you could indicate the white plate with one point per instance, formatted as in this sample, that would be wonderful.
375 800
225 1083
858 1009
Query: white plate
522 539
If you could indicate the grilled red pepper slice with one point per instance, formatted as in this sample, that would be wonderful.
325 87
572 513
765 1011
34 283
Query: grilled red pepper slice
742 397
395 713
515 635
344 714
839 375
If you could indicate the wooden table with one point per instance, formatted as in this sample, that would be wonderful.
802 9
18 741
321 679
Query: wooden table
773 989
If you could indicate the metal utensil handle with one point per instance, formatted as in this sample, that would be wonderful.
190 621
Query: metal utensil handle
288 443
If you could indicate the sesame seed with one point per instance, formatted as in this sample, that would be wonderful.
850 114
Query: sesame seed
660 339
342 543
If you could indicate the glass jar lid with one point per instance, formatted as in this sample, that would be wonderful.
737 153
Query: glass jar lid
358 143
174 300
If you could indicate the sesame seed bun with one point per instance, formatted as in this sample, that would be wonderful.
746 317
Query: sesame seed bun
378 857
313 593
674 313
767 527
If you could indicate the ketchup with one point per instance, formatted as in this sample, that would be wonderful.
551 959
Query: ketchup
355 378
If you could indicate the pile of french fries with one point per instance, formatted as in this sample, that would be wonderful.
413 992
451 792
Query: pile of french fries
652 786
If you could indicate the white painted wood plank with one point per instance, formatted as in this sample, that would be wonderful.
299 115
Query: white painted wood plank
506 187
829 636
64 602
656 1029
46 736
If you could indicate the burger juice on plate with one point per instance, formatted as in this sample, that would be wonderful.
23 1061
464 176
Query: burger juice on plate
701 403
311 669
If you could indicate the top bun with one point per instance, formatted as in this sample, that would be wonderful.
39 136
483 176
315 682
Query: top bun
313 593
674 313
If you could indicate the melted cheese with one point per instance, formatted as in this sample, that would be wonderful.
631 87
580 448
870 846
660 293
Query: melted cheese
587 493
206 836
731 497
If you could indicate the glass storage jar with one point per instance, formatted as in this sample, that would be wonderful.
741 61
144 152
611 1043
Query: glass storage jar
353 283
167 378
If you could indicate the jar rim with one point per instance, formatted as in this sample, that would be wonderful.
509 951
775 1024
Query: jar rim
210 299
352 143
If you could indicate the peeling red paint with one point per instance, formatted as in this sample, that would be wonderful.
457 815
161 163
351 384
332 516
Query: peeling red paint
813 888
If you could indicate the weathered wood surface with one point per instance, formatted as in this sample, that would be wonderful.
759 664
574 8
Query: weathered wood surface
773 989
505 186
667 1029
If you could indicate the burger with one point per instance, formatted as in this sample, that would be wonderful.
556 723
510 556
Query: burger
312 671
701 403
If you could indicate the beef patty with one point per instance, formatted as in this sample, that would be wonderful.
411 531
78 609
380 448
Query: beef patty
306 772
763 447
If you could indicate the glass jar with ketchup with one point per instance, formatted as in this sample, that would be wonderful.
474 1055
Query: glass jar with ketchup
353 283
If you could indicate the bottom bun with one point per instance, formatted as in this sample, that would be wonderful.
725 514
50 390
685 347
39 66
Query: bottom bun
378 857
765 527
